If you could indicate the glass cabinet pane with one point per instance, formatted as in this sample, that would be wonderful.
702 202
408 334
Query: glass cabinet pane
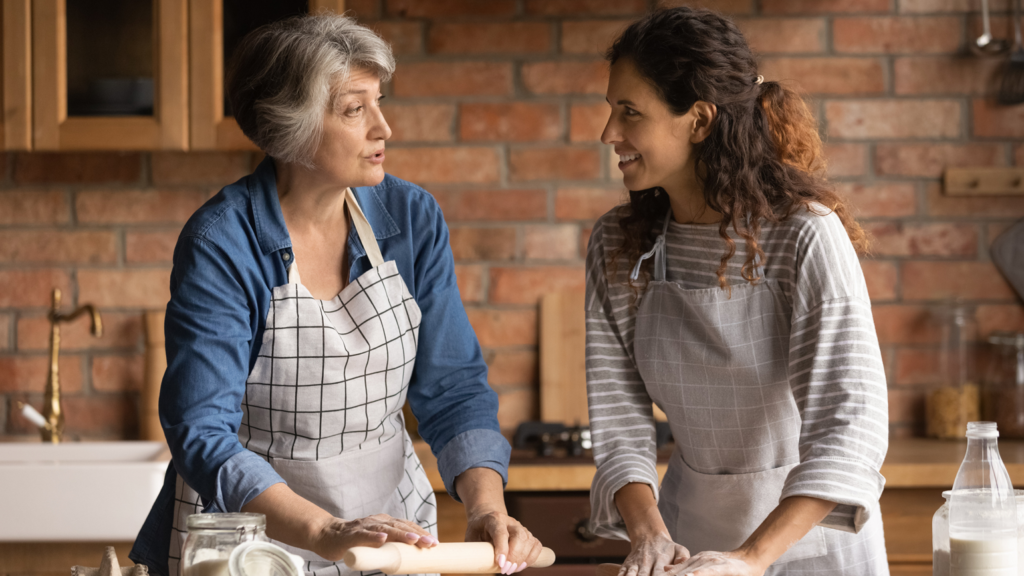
244 16
110 57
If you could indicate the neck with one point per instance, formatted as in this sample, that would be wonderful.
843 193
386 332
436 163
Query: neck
686 196
308 196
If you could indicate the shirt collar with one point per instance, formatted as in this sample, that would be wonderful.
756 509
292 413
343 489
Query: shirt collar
271 232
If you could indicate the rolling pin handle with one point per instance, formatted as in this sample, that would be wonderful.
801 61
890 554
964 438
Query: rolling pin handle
387 558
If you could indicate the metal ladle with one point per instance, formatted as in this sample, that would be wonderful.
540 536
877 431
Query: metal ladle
986 45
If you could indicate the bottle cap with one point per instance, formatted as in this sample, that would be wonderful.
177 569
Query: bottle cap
982 430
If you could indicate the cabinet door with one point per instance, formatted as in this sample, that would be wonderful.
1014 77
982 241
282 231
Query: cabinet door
16 92
110 74
215 27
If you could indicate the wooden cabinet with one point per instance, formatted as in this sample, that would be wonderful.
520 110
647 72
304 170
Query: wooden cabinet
125 74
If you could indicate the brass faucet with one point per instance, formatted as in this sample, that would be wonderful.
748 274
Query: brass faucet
53 430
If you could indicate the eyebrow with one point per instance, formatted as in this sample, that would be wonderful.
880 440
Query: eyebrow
353 92
622 102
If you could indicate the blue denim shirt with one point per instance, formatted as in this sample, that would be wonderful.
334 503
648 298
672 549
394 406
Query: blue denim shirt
231 254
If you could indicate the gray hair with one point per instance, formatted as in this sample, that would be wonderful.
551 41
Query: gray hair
283 77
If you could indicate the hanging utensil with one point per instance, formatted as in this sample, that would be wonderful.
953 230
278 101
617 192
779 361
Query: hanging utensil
986 45
1011 91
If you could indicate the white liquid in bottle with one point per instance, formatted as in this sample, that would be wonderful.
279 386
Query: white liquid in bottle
987 557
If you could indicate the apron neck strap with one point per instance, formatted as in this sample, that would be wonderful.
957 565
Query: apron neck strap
364 230
658 252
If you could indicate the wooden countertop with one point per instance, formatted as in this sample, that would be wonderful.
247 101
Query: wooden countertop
910 463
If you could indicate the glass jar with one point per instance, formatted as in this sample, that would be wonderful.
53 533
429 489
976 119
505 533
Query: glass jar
940 534
213 537
957 401
982 509
1003 397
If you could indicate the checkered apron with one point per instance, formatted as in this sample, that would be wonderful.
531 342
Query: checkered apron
717 364
323 403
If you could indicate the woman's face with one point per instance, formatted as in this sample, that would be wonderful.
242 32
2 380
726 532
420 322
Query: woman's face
352 149
654 144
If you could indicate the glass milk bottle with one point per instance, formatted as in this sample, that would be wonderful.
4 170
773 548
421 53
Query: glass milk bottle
982 510
940 538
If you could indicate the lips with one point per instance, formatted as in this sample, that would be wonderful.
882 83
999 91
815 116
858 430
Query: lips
376 157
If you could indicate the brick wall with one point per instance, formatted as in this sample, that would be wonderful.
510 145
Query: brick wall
497 107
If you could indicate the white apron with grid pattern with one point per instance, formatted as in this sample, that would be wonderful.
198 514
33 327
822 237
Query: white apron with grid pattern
718 367
323 403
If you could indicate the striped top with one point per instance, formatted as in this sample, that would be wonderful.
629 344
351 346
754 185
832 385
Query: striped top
835 366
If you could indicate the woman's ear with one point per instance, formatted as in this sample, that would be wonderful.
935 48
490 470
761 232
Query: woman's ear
704 113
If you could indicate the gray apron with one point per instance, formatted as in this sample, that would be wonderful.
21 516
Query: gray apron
716 362
323 403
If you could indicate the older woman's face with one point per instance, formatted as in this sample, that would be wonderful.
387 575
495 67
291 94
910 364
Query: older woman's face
352 149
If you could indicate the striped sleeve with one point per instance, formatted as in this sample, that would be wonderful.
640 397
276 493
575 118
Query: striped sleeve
621 419
837 379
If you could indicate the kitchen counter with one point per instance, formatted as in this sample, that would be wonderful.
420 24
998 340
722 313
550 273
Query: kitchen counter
910 463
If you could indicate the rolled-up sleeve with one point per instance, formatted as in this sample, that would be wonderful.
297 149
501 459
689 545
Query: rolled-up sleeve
457 410
209 331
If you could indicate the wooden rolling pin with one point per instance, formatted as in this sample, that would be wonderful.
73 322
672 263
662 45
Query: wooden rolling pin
452 558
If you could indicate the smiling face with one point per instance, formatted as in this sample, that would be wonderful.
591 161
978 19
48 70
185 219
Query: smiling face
351 151
655 146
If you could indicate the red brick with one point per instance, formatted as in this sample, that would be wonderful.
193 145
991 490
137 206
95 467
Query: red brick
915 75
6 321
490 38
846 159
58 246
586 203
77 168
999 317
881 279
936 6
566 77
34 207
217 168
30 373
590 36
493 205
1001 24
784 35
889 119
992 120
917 366
150 247
587 121
729 7
526 285
997 206
931 160
585 233
449 8
554 164
585 7
483 243
142 288
117 373
904 324
420 122
404 37
108 415
937 239
906 407
823 6
939 280
513 122
444 165
515 407
512 367
551 242
883 199
28 288
119 331
898 35
423 79
137 207
855 76
495 328
470 279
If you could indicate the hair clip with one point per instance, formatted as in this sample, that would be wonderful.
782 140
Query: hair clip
759 79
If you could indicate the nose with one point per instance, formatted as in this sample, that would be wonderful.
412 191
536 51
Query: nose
611 133
380 129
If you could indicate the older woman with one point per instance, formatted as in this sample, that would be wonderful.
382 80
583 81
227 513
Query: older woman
283 394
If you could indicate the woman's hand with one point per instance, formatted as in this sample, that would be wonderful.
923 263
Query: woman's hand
653 554
337 535
515 546
735 563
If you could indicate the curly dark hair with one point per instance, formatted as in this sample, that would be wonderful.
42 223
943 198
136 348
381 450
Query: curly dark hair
763 156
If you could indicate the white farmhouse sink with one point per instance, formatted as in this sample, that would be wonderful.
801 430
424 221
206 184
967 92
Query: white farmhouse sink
91 491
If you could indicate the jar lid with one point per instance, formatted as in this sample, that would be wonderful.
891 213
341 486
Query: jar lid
265 559
226 521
